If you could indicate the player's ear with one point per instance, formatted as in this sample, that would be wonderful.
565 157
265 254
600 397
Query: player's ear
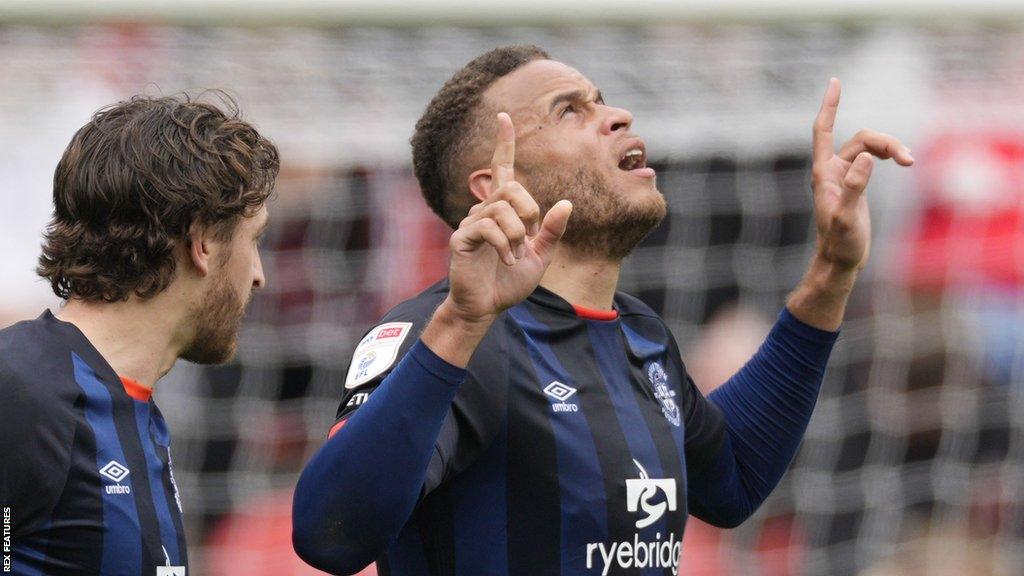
480 184
199 245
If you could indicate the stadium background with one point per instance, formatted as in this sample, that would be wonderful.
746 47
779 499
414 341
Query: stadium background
914 460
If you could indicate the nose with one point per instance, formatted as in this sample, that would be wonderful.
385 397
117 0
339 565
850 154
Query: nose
258 279
616 119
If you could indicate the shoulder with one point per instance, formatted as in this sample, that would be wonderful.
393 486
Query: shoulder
388 340
39 412
36 374
641 318
629 305
419 308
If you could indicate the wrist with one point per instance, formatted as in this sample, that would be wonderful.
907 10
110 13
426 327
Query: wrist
820 298
454 336
450 315
827 278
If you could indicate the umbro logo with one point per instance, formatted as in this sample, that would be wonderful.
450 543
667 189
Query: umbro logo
116 472
561 393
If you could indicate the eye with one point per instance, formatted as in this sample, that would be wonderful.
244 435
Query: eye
565 111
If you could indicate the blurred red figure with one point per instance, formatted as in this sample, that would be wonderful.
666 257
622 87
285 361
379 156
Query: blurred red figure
971 226
966 244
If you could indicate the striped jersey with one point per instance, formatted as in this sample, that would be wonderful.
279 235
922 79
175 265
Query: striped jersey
566 450
85 471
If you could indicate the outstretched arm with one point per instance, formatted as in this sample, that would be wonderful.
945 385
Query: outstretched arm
362 486
767 405
841 216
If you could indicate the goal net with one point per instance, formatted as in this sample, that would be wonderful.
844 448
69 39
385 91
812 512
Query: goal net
915 454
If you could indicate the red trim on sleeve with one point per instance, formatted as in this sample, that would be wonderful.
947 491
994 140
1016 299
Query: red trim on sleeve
335 428
595 314
136 390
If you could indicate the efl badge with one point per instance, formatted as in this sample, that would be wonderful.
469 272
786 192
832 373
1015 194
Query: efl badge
377 352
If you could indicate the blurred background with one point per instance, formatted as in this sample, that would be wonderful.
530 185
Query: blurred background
914 460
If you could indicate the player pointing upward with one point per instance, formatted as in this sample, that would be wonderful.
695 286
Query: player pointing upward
573 442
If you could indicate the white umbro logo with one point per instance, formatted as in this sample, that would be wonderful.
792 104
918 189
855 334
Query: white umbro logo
114 471
559 391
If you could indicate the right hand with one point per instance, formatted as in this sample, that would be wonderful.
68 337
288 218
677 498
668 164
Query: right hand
501 249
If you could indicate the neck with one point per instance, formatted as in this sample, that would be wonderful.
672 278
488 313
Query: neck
139 339
582 280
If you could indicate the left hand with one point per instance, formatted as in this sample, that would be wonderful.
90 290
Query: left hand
841 212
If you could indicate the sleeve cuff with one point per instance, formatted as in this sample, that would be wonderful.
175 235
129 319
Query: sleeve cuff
805 331
437 366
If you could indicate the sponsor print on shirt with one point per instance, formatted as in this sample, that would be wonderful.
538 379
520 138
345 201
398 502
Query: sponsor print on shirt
376 352
116 472
167 569
642 496
561 392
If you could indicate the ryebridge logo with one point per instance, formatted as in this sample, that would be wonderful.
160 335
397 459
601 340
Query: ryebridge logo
642 496
640 492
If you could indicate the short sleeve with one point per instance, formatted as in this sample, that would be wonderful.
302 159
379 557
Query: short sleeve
37 430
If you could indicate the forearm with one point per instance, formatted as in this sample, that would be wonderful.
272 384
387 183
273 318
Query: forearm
360 488
819 300
767 406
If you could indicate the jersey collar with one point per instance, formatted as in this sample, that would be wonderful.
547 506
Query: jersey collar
549 299
76 340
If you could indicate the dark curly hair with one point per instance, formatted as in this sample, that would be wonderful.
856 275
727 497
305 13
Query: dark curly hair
453 121
135 178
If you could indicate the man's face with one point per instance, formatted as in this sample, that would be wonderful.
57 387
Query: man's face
569 144
234 278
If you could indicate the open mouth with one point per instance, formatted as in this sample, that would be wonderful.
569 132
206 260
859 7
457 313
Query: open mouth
634 158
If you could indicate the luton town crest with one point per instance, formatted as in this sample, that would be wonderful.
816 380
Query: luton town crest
659 380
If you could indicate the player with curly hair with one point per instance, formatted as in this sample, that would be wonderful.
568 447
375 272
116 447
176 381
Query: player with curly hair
158 208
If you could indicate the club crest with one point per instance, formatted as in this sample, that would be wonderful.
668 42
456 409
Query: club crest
659 380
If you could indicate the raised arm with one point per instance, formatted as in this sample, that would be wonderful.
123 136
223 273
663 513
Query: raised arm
841 216
767 405
361 487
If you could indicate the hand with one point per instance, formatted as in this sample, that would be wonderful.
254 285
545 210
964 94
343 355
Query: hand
501 249
841 212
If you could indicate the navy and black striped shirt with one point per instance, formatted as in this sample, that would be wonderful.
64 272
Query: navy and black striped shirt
86 466
575 444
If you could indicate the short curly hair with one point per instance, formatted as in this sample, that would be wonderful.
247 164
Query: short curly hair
135 179
453 121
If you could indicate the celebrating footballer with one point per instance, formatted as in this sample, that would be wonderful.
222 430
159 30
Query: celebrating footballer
522 417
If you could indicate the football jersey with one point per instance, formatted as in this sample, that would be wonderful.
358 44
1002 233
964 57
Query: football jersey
85 471
566 450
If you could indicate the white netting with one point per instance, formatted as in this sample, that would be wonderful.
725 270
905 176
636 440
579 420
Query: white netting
915 451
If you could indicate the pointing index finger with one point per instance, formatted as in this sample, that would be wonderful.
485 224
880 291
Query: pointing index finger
824 145
503 162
